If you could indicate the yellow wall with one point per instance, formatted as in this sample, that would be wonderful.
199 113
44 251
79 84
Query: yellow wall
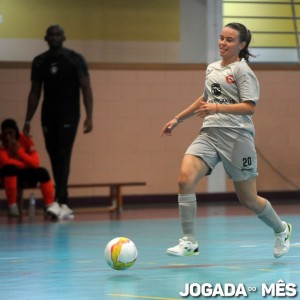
138 20
271 22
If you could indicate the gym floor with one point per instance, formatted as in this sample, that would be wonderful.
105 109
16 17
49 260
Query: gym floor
45 260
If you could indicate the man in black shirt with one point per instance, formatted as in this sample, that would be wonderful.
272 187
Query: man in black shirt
62 74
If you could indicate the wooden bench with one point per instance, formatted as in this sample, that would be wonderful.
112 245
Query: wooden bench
115 193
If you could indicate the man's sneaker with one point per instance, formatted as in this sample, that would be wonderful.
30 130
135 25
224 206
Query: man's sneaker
184 248
66 212
282 241
53 210
13 211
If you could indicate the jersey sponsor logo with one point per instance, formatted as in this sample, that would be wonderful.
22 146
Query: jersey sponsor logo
230 79
216 89
247 169
221 101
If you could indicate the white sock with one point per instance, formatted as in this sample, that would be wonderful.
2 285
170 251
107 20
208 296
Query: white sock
187 204
270 217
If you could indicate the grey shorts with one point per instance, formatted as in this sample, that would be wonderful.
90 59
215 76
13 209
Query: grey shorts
233 147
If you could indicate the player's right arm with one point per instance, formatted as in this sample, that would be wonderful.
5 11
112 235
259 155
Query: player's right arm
33 101
185 114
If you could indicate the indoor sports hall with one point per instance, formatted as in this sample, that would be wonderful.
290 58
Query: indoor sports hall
147 61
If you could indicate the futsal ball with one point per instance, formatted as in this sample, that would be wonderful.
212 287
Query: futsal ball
120 253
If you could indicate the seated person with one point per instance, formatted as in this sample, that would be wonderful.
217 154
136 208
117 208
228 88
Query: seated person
19 167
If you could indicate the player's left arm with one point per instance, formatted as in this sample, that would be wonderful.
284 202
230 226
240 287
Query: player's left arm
248 91
244 108
27 153
31 159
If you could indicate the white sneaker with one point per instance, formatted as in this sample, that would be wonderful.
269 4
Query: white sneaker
54 209
282 241
13 211
184 248
66 212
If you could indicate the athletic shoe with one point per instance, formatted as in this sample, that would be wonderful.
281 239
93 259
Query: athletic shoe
66 212
184 248
13 211
54 209
282 241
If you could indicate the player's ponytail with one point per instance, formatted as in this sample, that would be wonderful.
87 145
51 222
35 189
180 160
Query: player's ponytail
245 36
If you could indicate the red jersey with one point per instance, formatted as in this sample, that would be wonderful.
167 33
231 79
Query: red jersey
25 157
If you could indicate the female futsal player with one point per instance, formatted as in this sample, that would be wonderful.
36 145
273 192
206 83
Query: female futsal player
227 135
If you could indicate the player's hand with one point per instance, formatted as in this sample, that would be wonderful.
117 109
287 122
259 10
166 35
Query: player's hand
206 109
167 129
13 146
87 126
26 128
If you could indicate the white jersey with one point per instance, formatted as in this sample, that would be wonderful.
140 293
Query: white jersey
232 84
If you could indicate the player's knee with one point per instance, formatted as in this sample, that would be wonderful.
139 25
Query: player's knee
185 181
250 203
10 170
